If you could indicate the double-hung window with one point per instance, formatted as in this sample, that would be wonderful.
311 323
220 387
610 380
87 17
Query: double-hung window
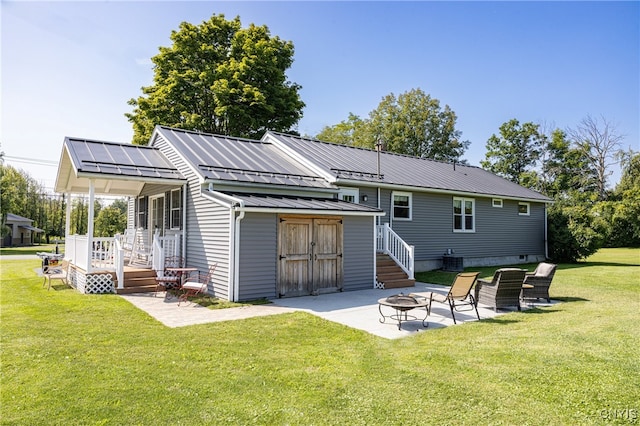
464 215
176 202
402 202
348 194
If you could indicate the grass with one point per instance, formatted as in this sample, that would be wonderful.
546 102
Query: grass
47 248
77 359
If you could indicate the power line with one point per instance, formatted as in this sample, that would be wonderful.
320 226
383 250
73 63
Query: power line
35 161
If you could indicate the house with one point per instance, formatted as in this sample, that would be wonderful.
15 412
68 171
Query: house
287 216
22 231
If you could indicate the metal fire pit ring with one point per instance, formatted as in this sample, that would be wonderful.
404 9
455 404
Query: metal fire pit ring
402 304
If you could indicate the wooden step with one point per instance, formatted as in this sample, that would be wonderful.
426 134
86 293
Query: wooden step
390 274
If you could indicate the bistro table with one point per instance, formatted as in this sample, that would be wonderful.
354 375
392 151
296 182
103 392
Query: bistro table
402 304
183 273
50 262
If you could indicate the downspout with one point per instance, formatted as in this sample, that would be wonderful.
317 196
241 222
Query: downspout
546 240
184 221
236 251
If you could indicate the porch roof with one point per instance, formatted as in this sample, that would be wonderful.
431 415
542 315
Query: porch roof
271 202
115 168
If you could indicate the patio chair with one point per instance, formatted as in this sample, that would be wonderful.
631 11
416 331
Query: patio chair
503 290
459 294
198 285
169 279
540 279
60 273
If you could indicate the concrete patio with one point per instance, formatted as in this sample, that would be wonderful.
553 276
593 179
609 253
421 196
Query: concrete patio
357 309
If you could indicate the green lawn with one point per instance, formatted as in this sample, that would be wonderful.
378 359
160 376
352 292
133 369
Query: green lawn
73 359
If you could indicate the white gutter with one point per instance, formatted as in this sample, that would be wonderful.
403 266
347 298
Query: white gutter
409 188
308 211
184 221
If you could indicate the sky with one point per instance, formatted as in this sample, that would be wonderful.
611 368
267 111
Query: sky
69 68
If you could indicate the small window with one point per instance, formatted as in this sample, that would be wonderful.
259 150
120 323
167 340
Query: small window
523 209
176 202
464 215
497 202
142 212
348 194
402 205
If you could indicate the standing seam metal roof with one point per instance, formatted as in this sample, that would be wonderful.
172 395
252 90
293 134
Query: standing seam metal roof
241 160
360 164
120 159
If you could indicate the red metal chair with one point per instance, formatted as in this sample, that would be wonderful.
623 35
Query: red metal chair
198 285
169 279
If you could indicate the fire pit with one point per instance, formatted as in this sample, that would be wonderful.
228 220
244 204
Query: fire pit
402 305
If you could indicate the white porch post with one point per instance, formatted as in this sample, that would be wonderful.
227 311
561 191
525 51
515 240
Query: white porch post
90 225
67 223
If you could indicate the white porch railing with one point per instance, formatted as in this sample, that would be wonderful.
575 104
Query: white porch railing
76 248
388 242
163 247
118 260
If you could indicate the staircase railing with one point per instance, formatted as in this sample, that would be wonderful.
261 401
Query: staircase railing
390 243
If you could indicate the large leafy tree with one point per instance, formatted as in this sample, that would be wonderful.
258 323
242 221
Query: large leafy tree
514 152
218 77
411 123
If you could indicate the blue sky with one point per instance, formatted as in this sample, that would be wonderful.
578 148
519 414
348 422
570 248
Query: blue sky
69 68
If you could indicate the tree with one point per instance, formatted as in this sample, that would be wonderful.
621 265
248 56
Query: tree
112 219
564 169
413 123
621 211
347 132
219 78
514 152
600 141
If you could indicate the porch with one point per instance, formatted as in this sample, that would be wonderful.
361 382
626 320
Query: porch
121 264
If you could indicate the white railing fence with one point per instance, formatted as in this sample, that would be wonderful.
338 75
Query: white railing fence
388 242
118 260
102 253
76 248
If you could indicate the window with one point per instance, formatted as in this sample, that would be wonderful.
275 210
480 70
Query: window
402 205
141 209
464 215
496 202
523 209
176 202
348 194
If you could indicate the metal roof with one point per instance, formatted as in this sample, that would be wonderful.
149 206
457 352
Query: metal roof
115 168
283 202
226 158
347 163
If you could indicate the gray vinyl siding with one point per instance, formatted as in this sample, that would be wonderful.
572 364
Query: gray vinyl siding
498 231
358 252
207 227
258 256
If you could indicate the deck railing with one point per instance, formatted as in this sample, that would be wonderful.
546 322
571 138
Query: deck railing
388 242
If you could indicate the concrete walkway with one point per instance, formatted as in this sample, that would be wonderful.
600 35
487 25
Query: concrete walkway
357 309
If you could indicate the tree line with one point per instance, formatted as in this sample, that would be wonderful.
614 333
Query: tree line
22 195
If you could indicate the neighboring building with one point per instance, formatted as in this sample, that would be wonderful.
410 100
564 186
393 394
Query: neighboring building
287 216
23 233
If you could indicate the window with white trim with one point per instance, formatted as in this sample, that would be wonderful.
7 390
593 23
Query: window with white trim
141 210
402 202
348 194
464 211
524 209
176 202
497 202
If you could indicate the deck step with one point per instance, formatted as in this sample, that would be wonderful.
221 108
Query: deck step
389 273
